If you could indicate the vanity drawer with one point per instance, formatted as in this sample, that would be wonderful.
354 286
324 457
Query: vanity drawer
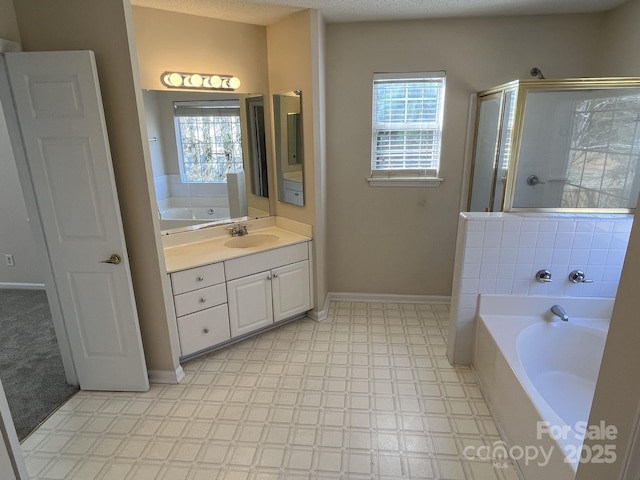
195 278
197 300
263 261
203 329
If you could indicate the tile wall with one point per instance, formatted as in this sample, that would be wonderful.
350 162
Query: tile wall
500 253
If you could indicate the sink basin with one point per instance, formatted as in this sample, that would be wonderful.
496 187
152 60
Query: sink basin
252 240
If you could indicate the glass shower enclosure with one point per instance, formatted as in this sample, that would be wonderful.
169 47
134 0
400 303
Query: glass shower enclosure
557 145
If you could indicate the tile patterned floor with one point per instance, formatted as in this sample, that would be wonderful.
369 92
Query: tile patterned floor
368 393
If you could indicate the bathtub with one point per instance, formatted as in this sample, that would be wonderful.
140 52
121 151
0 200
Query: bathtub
176 212
538 375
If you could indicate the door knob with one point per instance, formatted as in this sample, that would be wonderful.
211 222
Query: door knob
114 259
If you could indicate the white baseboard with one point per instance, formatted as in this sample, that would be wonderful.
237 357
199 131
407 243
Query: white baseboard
166 376
387 298
320 315
22 286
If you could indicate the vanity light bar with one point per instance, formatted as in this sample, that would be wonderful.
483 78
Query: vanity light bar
204 81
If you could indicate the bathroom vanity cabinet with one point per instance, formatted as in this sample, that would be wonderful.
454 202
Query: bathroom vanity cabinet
200 299
293 192
224 301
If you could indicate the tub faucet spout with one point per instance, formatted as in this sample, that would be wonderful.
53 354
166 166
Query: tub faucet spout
558 311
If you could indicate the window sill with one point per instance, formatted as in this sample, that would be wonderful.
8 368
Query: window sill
405 181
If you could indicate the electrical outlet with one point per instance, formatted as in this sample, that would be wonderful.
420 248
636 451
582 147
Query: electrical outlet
9 259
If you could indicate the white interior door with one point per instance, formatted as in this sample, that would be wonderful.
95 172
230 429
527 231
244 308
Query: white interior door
12 466
59 108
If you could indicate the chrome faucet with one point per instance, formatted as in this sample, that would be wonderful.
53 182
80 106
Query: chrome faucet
558 311
238 230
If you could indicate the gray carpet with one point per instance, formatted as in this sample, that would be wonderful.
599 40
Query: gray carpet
30 364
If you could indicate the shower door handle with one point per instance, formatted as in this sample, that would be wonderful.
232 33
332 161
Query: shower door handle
534 180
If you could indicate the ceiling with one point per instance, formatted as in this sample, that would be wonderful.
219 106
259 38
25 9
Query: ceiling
267 12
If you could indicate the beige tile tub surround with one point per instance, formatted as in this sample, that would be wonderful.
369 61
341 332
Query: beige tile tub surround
366 394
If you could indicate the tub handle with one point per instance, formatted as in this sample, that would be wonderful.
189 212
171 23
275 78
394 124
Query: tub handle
578 276
543 276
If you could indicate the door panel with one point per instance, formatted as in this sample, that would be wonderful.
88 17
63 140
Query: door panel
291 294
67 162
250 304
59 110
93 295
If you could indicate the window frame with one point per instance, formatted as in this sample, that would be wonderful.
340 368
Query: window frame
402 176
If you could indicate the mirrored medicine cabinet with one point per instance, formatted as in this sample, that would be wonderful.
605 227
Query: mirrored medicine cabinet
570 145
289 146
209 157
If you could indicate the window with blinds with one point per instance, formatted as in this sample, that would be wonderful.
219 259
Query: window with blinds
209 140
407 124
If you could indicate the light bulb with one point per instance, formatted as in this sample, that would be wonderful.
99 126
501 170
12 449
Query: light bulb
175 80
196 80
234 82
215 81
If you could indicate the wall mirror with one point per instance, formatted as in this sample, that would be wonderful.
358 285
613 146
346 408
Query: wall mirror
287 114
208 156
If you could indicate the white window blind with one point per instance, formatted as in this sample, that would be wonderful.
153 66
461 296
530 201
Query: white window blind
407 124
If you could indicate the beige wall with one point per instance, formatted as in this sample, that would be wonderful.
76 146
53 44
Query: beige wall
621 40
318 68
295 51
402 240
289 55
617 399
187 43
105 28
16 237
8 24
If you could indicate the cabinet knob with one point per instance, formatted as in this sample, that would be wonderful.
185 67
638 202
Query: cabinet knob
269 277
275 275
203 300
206 330
200 278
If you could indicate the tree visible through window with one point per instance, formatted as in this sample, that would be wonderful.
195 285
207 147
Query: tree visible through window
209 140
407 123
602 171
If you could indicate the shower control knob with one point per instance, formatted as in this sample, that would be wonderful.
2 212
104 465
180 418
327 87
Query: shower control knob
577 276
543 276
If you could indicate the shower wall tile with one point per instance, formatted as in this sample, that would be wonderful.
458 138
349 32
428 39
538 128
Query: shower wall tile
500 253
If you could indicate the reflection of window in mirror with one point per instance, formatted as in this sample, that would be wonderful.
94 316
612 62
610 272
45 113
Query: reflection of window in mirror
257 164
201 147
294 138
209 140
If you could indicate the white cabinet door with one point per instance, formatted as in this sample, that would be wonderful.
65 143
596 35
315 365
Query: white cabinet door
250 303
291 294
59 107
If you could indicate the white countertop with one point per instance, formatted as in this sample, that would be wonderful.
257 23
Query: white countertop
212 250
